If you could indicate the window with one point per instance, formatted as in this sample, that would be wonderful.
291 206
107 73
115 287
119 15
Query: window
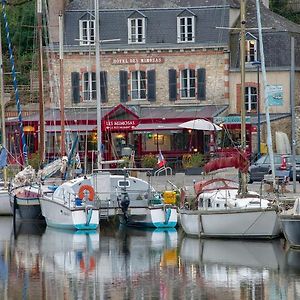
251 51
187 83
89 86
138 85
185 29
251 98
87 32
136 31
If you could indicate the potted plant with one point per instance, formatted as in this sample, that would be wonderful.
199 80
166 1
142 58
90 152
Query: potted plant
193 163
149 161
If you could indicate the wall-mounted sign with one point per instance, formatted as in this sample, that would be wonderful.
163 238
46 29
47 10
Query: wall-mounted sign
120 124
137 60
230 120
275 95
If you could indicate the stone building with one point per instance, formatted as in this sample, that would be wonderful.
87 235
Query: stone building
163 63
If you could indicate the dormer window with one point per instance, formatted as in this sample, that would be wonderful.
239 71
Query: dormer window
251 50
186 27
87 32
136 30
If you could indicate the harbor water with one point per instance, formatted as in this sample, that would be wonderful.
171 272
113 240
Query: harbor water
114 262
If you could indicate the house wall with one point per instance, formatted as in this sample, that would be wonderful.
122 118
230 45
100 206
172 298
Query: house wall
214 61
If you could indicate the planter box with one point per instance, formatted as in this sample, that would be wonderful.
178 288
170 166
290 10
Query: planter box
194 171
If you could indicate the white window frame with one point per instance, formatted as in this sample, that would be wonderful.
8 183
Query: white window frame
251 51
136 31
185 31
86 32
188 84
251 99
89 86
138 85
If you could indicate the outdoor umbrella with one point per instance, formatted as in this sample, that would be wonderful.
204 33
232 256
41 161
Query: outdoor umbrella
200 124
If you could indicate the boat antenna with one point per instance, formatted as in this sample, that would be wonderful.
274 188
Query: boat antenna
15 83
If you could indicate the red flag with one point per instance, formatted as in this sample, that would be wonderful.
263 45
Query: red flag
161 160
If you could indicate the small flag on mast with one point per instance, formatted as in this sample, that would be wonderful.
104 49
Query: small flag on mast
161 160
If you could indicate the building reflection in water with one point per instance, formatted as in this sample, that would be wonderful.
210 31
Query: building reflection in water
127 263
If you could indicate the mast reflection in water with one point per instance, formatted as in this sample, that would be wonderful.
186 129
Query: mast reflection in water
121 263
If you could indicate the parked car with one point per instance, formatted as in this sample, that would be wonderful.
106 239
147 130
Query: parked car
262 167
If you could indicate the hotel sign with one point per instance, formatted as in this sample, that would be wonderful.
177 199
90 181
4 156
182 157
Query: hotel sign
137 60
120 124
231 120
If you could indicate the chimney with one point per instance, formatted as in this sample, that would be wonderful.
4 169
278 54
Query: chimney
54 7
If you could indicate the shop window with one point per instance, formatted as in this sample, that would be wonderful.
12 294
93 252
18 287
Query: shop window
186 29
188 83
87 32
136 31
251 99
138 85
251 51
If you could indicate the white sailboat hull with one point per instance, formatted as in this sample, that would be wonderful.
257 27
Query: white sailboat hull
233 223
5 208
155 217
62 216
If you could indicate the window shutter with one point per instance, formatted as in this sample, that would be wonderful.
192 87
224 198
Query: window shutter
123 86
172 85
151 85
75 87
178 30
201 84
103 86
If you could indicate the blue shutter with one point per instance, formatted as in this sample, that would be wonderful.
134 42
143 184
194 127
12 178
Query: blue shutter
201 84
151 79
172 85
75 87
123 86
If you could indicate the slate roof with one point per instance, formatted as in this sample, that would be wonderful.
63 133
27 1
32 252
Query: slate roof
136 4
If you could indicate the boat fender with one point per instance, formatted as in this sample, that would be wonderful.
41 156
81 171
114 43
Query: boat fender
167 215
86 191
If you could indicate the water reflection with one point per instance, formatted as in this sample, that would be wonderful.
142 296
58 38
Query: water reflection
244 269
126 263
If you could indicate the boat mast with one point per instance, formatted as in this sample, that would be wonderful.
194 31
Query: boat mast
41 84
61 86
243 175
265 84
15 83
3 131
98 91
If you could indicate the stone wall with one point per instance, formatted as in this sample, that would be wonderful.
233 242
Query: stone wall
214 61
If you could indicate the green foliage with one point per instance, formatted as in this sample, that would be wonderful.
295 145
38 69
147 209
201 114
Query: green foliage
21 18
149 161
281 7
34 160
193 160
124 164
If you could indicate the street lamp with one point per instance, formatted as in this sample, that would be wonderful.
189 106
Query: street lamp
257 64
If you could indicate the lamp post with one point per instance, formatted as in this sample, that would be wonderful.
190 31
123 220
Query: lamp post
257 64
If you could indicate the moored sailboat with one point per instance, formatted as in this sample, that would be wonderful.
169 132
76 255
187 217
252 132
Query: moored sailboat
222 213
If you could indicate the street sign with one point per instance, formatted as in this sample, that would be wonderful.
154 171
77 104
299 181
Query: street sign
230 120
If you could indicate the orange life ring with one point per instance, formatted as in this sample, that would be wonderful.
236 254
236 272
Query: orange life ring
89 267
88 188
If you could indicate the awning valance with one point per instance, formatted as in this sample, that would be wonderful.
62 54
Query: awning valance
158 126
71 128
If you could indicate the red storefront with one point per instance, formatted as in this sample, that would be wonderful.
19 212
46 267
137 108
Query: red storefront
126 128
